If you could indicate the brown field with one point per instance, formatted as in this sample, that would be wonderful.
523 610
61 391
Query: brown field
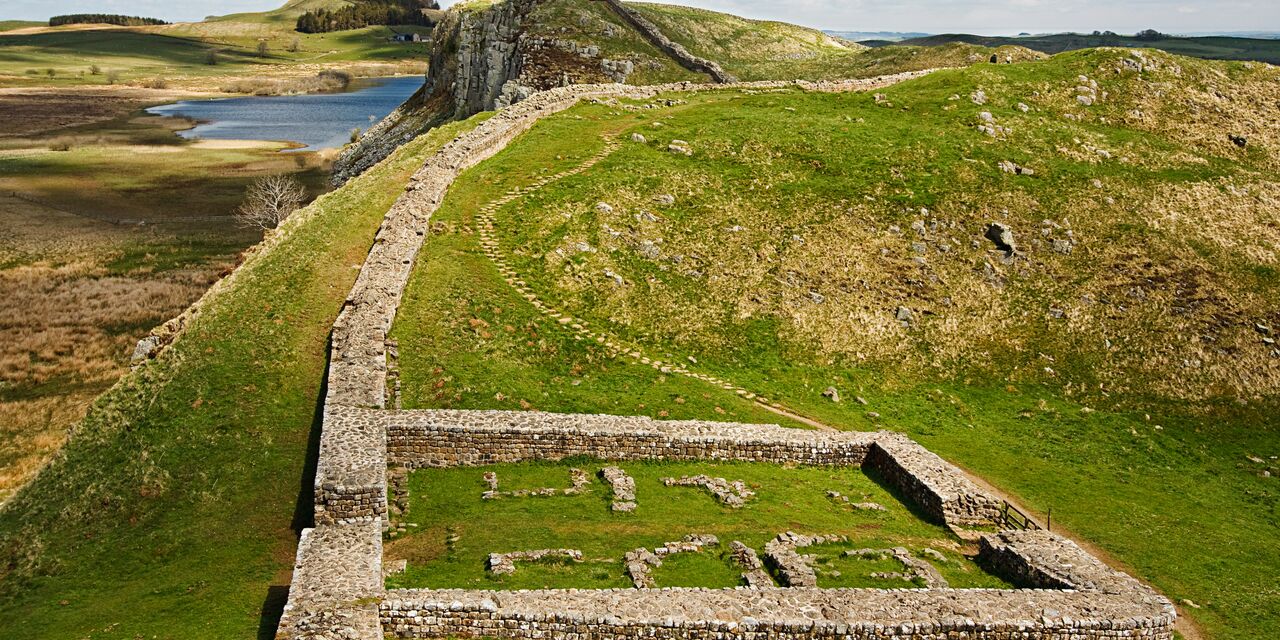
109 226
35 110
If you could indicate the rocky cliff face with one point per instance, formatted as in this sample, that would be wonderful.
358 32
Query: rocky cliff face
473 60
494 56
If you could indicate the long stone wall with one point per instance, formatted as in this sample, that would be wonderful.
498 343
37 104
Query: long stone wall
337 590
677 51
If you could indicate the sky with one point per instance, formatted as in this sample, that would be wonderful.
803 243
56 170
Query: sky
990 17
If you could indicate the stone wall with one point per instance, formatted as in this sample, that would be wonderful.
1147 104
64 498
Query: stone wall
936 485
653 34
777 613
469 438
337 584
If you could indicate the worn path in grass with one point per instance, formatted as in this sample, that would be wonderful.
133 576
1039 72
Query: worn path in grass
1174 489
581 329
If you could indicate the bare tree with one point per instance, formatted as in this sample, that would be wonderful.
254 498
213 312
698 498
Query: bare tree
269 201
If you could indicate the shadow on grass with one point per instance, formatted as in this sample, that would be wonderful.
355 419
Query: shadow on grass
898 494
304 510
272 609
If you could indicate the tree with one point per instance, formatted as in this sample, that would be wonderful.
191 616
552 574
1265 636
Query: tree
262 48
269 201
1149 35
211 57
295 46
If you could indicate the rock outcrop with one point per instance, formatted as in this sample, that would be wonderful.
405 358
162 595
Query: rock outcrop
489 57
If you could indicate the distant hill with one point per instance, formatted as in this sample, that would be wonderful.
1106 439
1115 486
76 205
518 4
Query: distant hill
286 15
10 25
1207 47
885 36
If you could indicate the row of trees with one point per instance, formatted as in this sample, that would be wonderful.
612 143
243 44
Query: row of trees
104 18
364 14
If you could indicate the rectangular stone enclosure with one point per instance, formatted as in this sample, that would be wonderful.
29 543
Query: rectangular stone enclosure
1065 592
338 593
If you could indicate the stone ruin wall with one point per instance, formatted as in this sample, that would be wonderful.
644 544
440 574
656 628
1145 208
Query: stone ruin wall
1089 601
338 587
773 614
471 438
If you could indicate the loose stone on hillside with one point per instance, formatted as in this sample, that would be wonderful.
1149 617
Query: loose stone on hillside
1002 237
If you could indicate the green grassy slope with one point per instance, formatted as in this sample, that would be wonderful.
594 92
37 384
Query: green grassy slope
10 25
595 24
286 15
1124 385
1210 47
172 512
749 49
759 50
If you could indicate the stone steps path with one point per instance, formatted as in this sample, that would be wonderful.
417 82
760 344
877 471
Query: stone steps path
582 330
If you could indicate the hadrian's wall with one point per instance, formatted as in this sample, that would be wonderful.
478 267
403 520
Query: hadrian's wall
346 476
337 590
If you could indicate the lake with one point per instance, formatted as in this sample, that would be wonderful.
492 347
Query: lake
317 120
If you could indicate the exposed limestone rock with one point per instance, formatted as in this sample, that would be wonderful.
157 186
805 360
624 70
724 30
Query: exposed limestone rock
754 573
624 488
1002 237
505 563
733 494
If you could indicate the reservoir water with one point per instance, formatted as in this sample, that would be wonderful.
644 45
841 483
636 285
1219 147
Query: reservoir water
317 120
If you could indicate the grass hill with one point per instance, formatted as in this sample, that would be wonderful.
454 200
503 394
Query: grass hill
171 512
179 53
1114 368
1209 47
10 25
1117 369
1058 273
285 16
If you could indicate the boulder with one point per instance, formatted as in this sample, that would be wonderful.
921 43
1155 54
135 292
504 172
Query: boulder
1002 236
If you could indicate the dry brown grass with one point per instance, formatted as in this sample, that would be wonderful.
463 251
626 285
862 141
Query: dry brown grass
31 431
67 324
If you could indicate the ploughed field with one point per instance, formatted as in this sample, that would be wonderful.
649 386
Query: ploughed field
455 520
1057 274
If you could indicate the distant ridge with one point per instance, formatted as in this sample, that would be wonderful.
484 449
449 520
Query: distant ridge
886 36
1207 47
